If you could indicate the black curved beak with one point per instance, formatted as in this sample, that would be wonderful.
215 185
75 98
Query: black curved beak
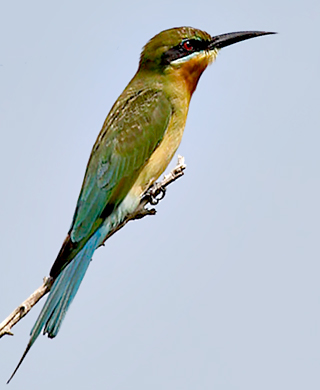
223 40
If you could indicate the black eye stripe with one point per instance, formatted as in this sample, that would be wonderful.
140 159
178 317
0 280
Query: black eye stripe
185 48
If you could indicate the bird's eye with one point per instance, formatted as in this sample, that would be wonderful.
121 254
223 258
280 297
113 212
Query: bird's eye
187 45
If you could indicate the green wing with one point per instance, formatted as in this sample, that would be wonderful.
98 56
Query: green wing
132 131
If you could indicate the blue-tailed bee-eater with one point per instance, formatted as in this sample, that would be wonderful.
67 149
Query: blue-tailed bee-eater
135 145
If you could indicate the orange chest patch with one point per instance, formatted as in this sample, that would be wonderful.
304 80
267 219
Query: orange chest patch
190 72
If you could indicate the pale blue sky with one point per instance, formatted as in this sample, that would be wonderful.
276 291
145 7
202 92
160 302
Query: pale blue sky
221 289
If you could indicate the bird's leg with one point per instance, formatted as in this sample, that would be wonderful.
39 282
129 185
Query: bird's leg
154 194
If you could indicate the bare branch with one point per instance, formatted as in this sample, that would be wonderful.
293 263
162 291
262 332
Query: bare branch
24 308
153 196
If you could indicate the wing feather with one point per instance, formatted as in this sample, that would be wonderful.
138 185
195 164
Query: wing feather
127 140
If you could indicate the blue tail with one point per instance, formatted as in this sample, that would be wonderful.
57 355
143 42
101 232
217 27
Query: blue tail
63 291
61 295
68 281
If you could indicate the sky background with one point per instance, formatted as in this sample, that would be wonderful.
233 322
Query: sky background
221 289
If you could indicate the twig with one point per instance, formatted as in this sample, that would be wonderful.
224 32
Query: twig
24 308
154 194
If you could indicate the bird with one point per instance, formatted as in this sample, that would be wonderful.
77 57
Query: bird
137 141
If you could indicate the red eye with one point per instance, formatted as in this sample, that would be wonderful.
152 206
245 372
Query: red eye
187 45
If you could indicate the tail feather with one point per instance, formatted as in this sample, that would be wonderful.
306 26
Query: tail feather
61 295
69 286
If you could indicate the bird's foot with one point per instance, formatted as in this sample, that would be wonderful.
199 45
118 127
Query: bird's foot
155 194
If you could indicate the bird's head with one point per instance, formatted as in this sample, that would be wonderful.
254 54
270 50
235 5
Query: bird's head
185 52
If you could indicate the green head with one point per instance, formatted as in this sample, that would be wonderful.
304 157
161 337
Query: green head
169 44
177 46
